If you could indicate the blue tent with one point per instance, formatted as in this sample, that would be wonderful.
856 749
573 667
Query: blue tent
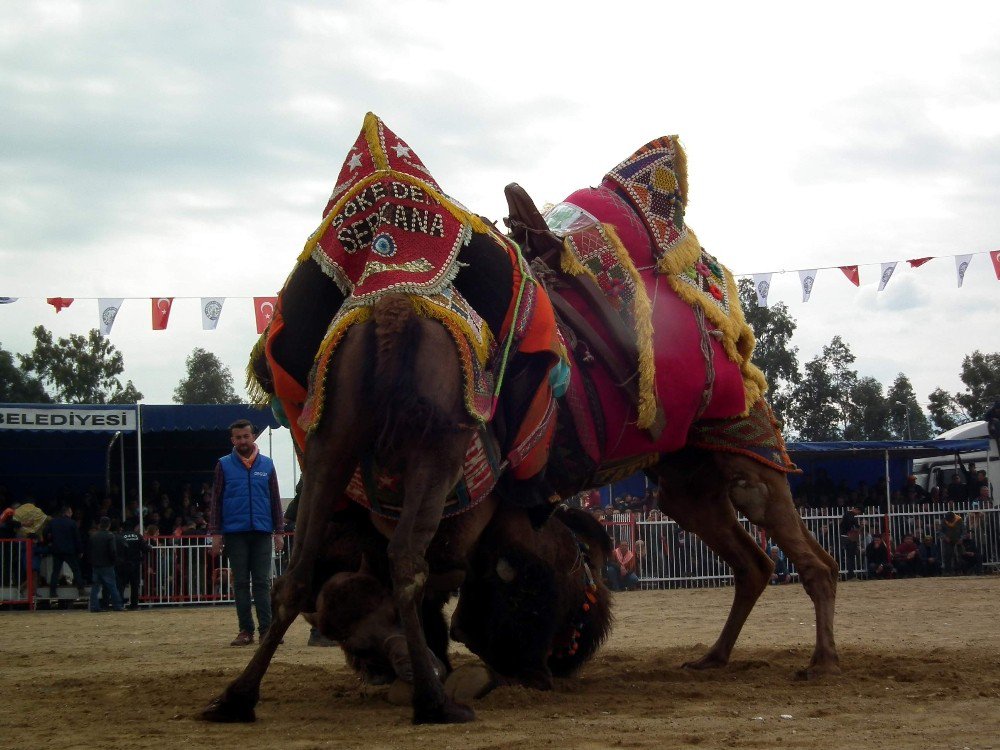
53 451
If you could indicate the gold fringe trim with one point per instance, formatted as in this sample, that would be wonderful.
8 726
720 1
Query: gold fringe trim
370 129
317 390
642 313
476 223
737 337
681 168
255 391
483 350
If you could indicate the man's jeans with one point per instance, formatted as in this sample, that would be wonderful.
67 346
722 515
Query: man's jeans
105 577
249 556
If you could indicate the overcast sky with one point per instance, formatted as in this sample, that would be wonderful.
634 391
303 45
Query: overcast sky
187 149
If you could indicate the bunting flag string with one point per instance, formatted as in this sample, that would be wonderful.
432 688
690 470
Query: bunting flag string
211 307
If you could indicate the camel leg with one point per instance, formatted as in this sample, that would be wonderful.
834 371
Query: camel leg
698 502
330 463
427 483
763 495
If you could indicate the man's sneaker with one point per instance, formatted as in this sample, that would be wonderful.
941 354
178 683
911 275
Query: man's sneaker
243 639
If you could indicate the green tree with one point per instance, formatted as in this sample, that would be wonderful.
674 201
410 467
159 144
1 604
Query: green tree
869 413
821 407
773 328
945 412
981 375
208 381
906 418
17 386
79 369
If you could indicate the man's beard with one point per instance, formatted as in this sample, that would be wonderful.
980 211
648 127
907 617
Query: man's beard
245 450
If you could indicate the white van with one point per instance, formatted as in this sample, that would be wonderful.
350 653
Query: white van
924 468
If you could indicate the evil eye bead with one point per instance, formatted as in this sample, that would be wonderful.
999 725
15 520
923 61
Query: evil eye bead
384 245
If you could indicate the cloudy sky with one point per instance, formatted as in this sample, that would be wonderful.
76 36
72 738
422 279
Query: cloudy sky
187 149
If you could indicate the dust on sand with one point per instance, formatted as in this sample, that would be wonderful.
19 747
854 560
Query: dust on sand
921 668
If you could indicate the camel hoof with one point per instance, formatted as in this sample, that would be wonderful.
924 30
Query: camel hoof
448 713
226 710
816 671
469 682
706 662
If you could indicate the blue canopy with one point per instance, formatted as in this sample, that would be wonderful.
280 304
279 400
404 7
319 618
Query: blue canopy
895 448
203 418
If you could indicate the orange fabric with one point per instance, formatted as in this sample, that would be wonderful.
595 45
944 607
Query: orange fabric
290 392
248 462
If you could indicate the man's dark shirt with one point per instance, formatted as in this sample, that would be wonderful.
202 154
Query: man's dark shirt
131 547
65 536
102 549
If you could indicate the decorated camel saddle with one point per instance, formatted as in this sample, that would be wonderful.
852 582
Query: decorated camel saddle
660 347
388 228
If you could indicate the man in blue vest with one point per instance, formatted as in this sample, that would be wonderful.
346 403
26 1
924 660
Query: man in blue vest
245 514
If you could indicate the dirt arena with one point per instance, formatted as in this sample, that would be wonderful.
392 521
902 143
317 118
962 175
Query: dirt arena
921 665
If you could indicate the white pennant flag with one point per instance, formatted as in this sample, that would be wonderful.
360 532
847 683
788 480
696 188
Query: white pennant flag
7 300
211 311
807 278
961 266
887 269
762 285
108 308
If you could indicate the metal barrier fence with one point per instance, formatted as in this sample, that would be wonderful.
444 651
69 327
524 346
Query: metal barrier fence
182 570
669 557
17 579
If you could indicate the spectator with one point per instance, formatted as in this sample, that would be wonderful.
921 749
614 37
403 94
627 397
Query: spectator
66 548
957 491
952 529
131 551
246 514
877 556
103 557
780 573
967 556
930 557
906 557
912 491
621 569
850 534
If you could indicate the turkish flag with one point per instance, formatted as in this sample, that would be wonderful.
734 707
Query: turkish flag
851 272
263 308
917 262
995 257
59 302
161 312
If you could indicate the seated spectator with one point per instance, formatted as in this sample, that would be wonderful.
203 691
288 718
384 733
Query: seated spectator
952 530
877 556
906 558
967 557
621 569
930 557
780 573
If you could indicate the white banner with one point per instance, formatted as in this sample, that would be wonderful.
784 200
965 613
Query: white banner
75 419
887 269
211 311
762 285
961 266
108 308
807 279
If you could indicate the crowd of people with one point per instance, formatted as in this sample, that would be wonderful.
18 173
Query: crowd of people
72 531
931 538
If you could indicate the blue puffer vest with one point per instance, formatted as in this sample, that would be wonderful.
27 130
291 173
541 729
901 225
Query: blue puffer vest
246 501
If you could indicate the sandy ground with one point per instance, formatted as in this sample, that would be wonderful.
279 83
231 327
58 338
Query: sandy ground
921 665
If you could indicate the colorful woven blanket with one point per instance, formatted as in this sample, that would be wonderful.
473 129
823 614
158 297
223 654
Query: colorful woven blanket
694 356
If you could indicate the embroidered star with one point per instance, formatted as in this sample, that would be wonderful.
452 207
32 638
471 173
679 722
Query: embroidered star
355 161
401 150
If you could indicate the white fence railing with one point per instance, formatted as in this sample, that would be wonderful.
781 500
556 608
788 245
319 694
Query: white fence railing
670 557
182 570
